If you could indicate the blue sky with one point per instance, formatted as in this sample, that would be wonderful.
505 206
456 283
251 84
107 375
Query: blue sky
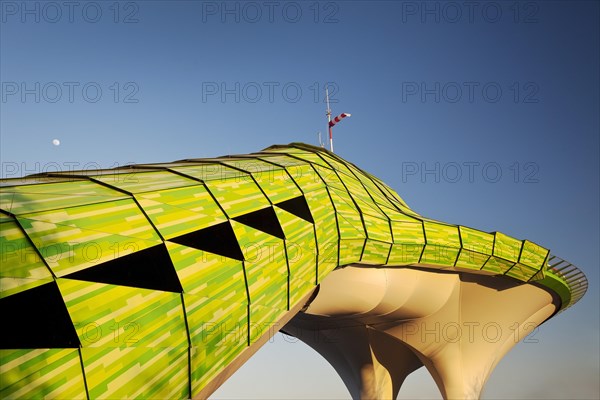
484 114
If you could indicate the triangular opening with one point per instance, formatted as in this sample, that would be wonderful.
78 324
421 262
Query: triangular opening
150 268
37 319
298 207
218 239
264 220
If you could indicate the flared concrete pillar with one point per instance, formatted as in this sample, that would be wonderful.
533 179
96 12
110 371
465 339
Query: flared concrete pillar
372 364
376 326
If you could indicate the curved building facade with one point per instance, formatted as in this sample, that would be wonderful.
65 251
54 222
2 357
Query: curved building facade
160 280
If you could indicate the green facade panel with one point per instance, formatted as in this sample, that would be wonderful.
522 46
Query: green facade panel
378 228
331 178
26 199
405 253
41 373
305 177
211 172
127 316
349 219
237 196
218 333
533 255
277 185
477 241
497 265
265 265
173 217
76 238
301 252
239 242
351 250
409 231
522 272
471 259
313 158
21 266
375 252
209 275
284 161
250 165
150 372
140 181
506 247
338 165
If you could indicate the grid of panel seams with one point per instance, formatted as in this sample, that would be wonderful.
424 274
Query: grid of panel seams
158 276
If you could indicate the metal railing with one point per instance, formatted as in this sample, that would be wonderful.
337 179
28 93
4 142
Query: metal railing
573 276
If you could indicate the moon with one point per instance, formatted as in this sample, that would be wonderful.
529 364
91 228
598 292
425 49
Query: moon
56 142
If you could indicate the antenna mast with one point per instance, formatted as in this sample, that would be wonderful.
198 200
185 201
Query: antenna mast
329 119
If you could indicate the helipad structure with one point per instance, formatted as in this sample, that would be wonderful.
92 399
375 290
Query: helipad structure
160 280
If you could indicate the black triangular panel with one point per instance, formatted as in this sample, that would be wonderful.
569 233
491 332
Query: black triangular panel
37 318
150 268
264 220
298 207
218 239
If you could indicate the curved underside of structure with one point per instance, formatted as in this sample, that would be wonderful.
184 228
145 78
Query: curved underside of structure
160 280
376 326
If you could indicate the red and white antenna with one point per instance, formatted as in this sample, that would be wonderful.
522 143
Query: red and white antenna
328 111
331 123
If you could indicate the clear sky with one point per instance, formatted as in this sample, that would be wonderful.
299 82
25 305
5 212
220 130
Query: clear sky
484 114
